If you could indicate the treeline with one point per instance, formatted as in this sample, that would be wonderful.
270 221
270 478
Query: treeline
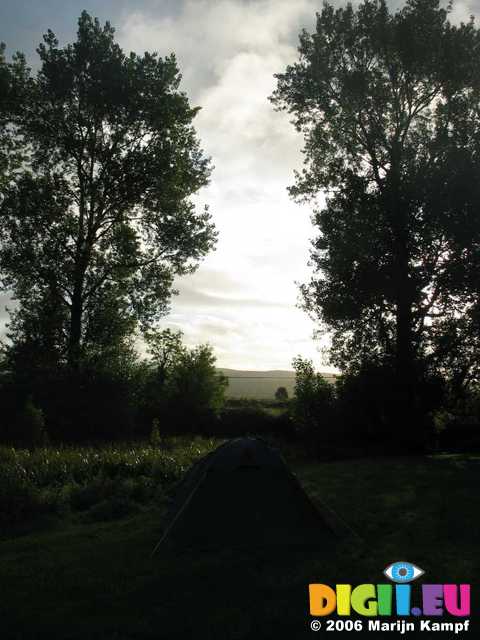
356 414
99 161
173 391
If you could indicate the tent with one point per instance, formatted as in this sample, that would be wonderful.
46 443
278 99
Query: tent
243 495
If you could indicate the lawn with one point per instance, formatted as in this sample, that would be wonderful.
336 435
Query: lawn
76 578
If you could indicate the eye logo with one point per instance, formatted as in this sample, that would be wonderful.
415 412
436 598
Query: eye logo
403 572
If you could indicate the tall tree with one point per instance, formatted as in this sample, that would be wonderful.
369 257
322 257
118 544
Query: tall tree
12 79
4 89
101 219
372 93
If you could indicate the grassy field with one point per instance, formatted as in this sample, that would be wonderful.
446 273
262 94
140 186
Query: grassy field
75 578
261 385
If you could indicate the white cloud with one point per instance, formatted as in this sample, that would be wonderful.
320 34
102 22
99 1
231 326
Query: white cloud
242 299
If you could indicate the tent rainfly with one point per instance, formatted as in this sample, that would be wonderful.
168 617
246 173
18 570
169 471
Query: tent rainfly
243 495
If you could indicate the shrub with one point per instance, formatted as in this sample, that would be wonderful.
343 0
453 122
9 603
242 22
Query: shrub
195 391
155 437
31 425
369 401
54 480
183 391
313 408
281 394
245 421
19 500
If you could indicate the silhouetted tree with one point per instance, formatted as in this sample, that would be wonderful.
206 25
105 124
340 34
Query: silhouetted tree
183 389
281 394
377 97
4 89
195 390
165 348
100 221
12 79
313 402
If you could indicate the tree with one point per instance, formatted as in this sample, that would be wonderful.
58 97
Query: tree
183 389
31 425
195 389
281 394
313 401
12 78
4 90
165 348
101 220
375 96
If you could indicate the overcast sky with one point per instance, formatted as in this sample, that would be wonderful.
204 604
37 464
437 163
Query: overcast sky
242 299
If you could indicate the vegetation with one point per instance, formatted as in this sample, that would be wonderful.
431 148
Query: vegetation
99 162
386 103
104 583
281 394
100 482
99 220
313 401
183 390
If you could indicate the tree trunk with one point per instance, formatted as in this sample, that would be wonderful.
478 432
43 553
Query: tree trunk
76 310
76 313
408 424
408 421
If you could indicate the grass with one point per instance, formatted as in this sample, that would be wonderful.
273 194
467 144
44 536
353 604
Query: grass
56 466
84 579
106 482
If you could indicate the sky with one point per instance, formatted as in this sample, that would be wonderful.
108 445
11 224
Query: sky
243 297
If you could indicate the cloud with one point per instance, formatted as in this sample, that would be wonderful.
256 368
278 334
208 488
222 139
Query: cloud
242 299
207 36
5 301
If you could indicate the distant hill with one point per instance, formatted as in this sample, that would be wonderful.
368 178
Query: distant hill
261 385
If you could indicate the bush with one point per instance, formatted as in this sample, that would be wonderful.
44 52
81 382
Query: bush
459 437
155 437
281 394
368 406
313 406
360 412
182 392
91 404
245 421
19 500
54 480
31 425
194 392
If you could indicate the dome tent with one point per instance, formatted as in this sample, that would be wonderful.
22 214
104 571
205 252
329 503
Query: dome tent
243 495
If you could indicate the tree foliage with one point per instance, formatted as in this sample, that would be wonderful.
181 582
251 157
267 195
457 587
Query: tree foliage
281 394
195 386
313 401
12 78
183 391
388 107
100 220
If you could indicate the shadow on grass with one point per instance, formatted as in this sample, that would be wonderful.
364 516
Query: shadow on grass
99 580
